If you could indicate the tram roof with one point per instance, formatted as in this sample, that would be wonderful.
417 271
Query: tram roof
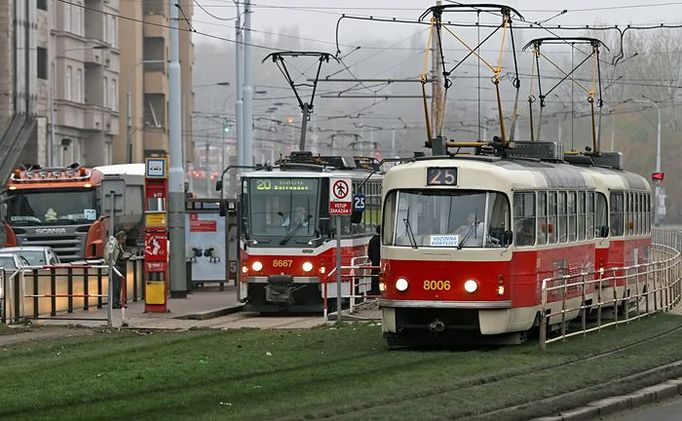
490 172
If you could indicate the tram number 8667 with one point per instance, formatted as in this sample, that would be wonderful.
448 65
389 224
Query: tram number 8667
431 285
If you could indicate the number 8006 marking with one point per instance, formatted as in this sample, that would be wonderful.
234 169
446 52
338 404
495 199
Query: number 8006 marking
431 285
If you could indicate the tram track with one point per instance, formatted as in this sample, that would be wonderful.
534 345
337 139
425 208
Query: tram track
499 378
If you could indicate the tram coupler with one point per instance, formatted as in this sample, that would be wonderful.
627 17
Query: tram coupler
279 289
436 326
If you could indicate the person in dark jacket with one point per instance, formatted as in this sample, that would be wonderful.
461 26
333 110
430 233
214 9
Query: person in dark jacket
374 254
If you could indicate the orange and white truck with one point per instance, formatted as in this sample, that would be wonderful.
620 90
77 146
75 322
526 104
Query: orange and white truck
68 208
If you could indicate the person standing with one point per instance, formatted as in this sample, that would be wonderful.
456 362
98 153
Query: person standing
374 254
120 260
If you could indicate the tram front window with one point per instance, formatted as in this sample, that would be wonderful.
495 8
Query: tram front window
281 211
445 218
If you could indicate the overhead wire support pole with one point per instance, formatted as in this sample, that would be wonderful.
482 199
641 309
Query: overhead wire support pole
176 175
246 155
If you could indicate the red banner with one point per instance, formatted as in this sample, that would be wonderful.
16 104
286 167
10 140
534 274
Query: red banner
197 225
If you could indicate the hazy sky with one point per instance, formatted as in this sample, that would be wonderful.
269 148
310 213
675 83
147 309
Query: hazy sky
316 20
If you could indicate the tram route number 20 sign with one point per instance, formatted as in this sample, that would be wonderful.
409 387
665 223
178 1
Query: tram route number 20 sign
340 196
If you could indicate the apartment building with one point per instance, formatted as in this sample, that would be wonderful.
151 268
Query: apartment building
23 83
144 79
84 73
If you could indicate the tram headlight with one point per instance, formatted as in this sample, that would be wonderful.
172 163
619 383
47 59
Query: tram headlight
470 286
382 286
257 266
307 266
245 269
401 284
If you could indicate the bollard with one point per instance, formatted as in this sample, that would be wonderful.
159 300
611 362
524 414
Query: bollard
134 263
53 292
36 290
99 287
69 288
86 289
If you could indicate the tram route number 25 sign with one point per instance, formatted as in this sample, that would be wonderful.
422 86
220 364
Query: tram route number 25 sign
340 196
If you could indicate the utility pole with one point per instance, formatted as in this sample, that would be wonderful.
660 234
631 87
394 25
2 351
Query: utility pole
176 175
247 150
239 103
436 85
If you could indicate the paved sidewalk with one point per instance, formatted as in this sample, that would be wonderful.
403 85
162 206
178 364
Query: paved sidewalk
203 308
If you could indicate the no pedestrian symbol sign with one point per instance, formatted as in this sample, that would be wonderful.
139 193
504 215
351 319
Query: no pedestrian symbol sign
340 196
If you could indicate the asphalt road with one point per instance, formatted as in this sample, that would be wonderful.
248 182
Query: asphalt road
660 411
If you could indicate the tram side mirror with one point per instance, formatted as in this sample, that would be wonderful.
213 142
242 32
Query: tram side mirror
325 228
507 238
604 231
356 217
218 185
223 209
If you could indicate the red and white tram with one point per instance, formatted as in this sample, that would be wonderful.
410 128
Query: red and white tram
287 251
468 239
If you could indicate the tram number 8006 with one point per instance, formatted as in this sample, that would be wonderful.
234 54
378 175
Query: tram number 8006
431 285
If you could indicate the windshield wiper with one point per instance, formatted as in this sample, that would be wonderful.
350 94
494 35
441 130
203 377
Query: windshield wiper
410 233
468 234
295 230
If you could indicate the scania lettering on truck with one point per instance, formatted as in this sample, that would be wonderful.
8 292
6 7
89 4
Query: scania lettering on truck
68 208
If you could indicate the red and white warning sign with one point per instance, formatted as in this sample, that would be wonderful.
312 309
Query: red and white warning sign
156 246
340 196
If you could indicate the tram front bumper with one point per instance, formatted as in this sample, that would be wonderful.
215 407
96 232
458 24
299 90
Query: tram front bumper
281 290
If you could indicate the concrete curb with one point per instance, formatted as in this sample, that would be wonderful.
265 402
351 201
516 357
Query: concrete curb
213 313
610 406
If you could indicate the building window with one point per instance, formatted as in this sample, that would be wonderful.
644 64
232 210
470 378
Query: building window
111 30
79 85
42 4
105 99
113 97
66 11
42 63
77 23
67 83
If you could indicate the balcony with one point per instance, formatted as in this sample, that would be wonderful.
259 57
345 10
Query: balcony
155 139
95 56
156 26
155 83
95 119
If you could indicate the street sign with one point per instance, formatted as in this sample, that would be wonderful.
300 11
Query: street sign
340 196
359 202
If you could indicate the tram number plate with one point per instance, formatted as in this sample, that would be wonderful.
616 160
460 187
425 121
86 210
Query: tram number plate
281 263
441 176
439 285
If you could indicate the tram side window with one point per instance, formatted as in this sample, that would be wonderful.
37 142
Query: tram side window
524 219
589 215
581 215
628 214
642 217
600 216
647 209
572 216
542 228
552 218
388 223
616 212
563 217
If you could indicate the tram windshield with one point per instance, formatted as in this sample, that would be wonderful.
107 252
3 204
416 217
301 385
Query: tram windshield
281 211
445 218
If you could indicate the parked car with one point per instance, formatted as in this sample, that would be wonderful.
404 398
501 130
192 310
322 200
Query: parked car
11 261
36 255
